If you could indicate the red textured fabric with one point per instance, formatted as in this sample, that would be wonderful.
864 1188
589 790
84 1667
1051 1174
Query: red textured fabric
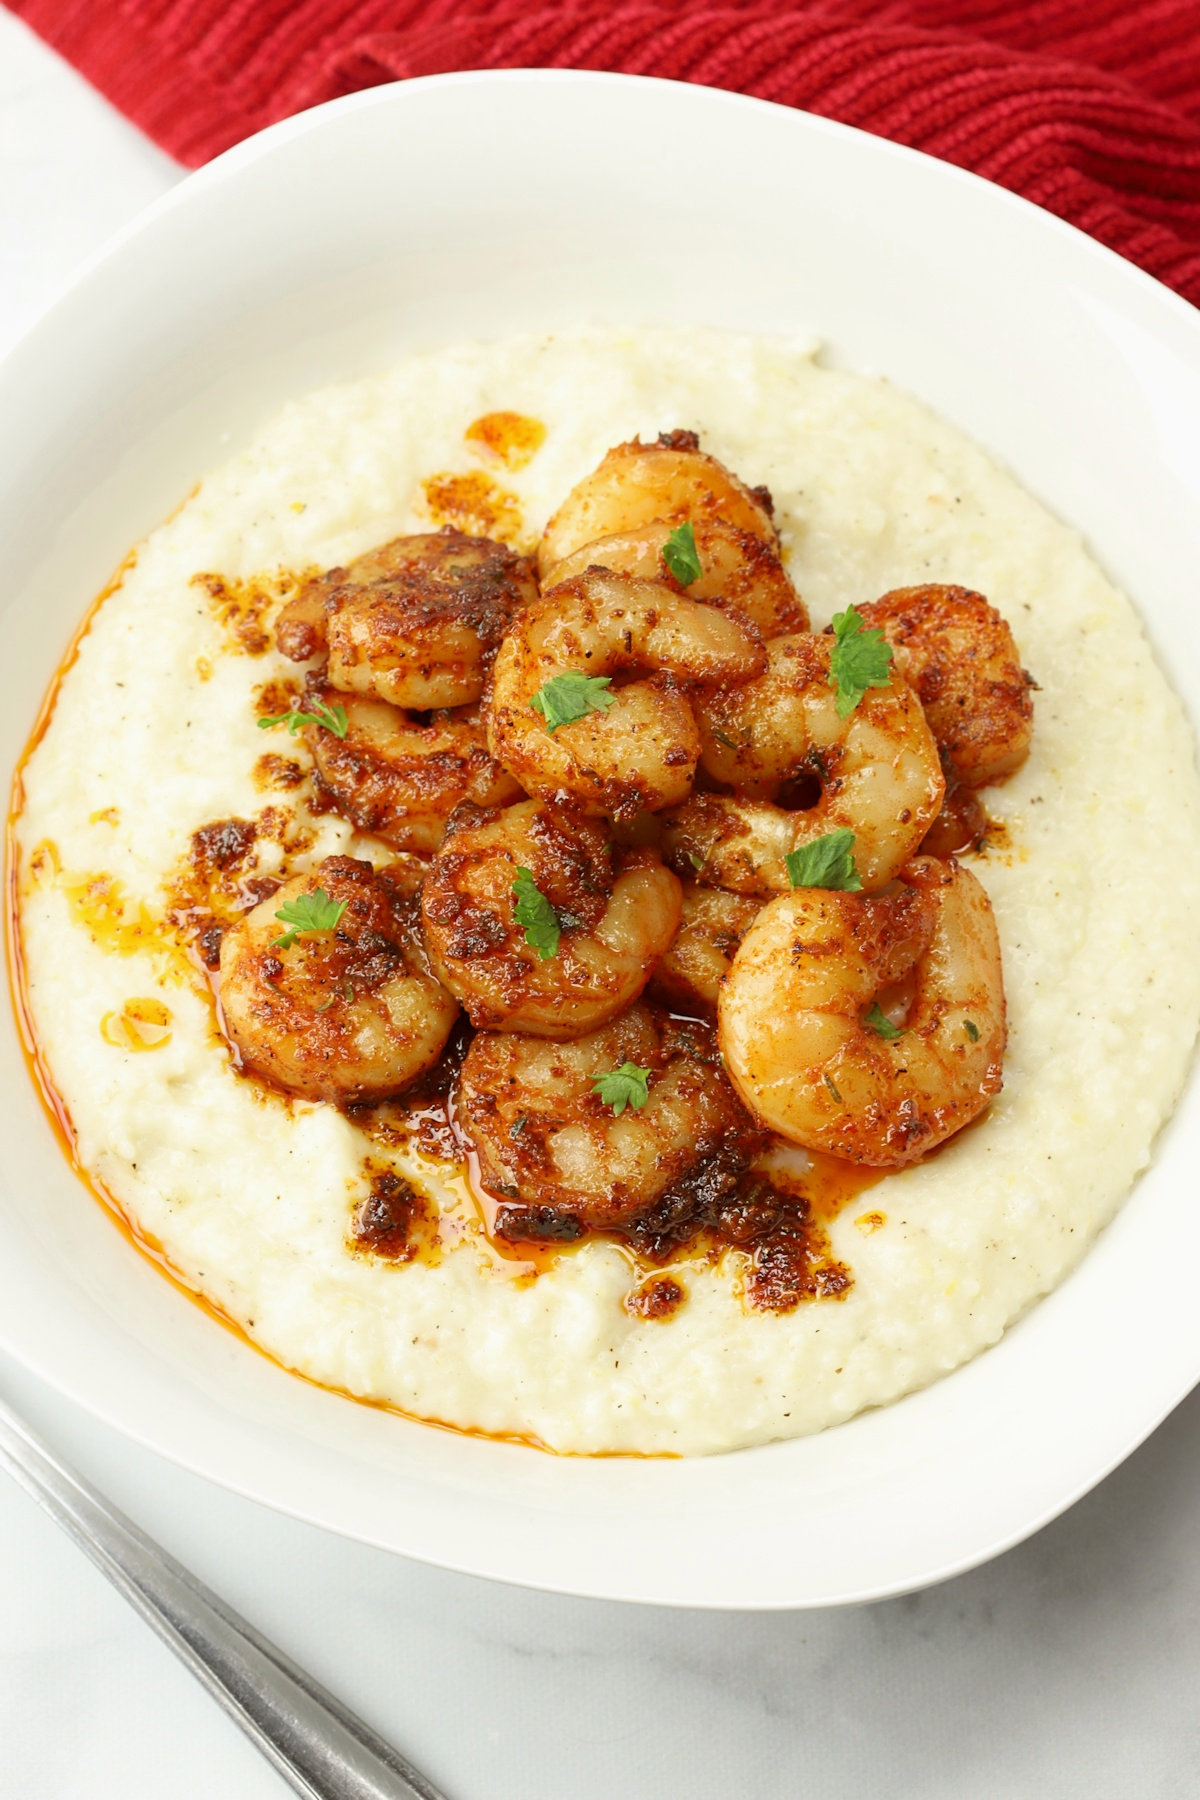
1089 107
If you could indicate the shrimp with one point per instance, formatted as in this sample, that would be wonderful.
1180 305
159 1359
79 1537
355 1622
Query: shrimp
739 572
711 928
800 772
641 751
415 622
547 1142
400 779
792 1015
960 656
346 1014
672 481
615 912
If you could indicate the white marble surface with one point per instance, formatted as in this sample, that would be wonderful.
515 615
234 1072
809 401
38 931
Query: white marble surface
1065 1669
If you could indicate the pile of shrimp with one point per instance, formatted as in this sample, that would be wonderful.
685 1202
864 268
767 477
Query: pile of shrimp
684 876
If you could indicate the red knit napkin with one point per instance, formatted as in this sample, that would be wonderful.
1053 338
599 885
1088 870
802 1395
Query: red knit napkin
1089 107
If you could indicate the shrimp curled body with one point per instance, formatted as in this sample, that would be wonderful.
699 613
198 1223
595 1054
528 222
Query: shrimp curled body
712 925
875 773
959 654
547 1142
414 622
616 910
792 1026
671 482
640 752
739 572
348 1014
398 778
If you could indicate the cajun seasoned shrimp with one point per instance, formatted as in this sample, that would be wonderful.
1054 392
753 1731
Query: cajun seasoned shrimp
738 571
637 484
347 1013
638 748
399 778
792 1015
415 622
610 913
960 656
560 1157
711 927
801 772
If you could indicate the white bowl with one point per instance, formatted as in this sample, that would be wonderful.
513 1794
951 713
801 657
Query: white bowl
477 206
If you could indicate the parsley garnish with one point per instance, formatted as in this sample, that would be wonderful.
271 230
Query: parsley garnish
681 556
307 912
626 1086
860 660
828 862
535 914
878 1020
971 1029
565 698
333 718
828 1080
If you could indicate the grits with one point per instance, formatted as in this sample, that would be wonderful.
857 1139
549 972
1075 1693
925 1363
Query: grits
1095 886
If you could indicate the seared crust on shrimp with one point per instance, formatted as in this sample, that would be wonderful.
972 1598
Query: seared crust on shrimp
800 772
400 779
739 572
636 484
557 1154
960 656
617 910
793 1026
640 752
415 622
348 1014
711 927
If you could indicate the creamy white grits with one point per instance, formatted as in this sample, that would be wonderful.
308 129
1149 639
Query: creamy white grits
1095 890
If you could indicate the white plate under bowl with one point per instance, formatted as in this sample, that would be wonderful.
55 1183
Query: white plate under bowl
477 206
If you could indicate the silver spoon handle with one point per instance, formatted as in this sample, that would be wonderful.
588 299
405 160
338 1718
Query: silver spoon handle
318 1745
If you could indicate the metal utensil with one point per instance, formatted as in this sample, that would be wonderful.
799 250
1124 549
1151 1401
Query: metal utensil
318 1745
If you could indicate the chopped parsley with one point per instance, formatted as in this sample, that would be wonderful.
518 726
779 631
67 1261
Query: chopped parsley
565 698
971 1029
878 1020
828 1080
307 912
626 1086
534 913
860 660
828 862
681 556
333 718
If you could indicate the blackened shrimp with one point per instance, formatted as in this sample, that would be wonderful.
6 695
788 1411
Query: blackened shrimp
959 655
415 622
635 746
673 481
606 915
800 772
400 777
348 1012
739 571
811 1037
558 1155
711 927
